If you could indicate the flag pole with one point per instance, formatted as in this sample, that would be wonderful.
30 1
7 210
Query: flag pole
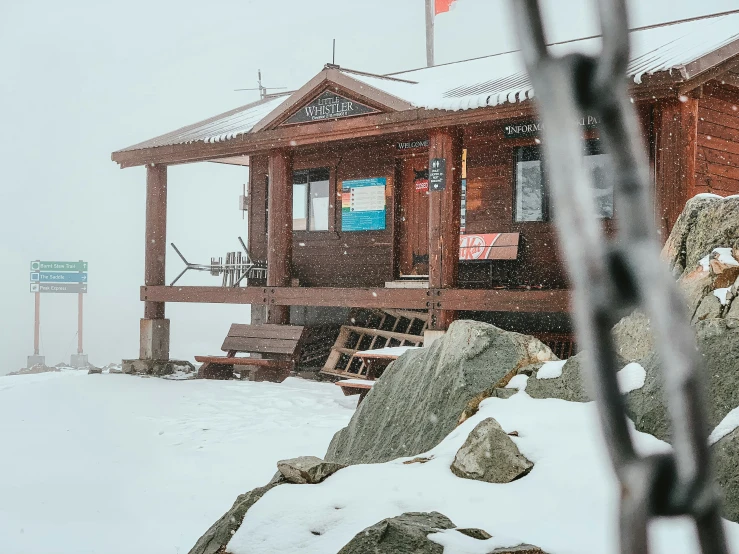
430 13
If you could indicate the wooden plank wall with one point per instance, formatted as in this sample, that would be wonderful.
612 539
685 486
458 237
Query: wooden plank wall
335 258
717 164
366 258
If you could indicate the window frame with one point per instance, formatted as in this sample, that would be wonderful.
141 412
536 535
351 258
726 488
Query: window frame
591 147
315 175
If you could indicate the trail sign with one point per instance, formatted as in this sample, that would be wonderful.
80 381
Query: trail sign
58 266
77 288
58 277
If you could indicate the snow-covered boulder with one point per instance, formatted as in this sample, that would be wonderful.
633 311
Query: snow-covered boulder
404 533
490 455
725 456
706 222
307 469
425 393
216 538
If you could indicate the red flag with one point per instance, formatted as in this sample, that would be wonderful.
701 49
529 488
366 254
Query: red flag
443 5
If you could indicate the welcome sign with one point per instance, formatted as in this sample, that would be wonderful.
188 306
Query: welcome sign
329 105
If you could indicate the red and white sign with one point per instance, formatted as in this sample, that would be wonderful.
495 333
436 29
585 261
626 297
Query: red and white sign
477 247
422 185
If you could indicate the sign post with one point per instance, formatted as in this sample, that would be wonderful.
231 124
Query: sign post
58 278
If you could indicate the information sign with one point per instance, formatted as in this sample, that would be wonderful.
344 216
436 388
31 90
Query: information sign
437 174
363 204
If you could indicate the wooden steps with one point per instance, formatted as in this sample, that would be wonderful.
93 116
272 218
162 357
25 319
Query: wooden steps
371 330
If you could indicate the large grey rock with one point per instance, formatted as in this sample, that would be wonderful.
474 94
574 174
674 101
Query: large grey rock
725 456
424 394
709 308
216 538
718 342
704 224
307 469
571 386
404 534
632 336
158 368
490 455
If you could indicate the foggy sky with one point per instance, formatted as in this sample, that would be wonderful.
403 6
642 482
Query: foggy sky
80 79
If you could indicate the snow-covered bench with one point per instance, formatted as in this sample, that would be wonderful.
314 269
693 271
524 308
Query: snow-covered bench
273 351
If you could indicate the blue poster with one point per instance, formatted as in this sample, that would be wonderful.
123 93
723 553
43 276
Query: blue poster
363 204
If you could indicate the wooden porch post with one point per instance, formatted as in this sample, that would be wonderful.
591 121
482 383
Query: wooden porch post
280 229
154 330
444 216
677 142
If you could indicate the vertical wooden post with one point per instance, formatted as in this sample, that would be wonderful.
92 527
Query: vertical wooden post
677 143
444 216
156 235
280 229
79 324
37 324
154 329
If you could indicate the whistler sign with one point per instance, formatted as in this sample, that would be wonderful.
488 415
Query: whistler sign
329 105
533 128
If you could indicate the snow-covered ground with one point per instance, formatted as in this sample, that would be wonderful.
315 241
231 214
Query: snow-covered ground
566 505
118 464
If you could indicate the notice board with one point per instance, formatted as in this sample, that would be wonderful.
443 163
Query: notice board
363 204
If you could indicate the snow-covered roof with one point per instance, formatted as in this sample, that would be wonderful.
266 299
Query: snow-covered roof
681 48
222 127
501 78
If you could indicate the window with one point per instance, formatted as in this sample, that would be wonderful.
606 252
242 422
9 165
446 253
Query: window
532 198
311 200
530 193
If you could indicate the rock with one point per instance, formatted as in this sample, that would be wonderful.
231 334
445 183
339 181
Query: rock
479 534
94 370
424 394
718 342
307 469
216 538
695 285
520 549
406 533
632 337
158 368
571 386
490 455
725 456
34 370
704 224
709 308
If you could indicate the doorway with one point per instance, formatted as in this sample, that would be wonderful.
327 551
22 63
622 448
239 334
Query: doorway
413 243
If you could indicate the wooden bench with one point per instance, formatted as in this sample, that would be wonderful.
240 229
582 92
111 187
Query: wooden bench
274 350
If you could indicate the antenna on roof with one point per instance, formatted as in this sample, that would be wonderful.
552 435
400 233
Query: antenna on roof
261 88
333 58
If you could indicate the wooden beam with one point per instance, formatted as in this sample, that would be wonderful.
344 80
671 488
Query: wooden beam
444 217
375 125
279 229
531 301
155 235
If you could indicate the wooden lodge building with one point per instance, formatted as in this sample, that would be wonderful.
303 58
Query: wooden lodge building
424 192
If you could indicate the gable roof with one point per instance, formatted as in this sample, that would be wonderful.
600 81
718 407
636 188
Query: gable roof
679 52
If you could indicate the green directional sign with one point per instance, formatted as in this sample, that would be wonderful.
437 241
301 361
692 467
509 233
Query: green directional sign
58 266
